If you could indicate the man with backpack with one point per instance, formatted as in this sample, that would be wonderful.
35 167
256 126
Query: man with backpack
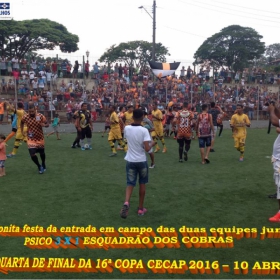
204 131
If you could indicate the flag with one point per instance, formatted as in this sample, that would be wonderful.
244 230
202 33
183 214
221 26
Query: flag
161 69
4 6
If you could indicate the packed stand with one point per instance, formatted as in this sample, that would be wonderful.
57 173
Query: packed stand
61 86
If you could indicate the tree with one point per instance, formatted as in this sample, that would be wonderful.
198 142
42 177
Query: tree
20 37
134 53
272 52
234 46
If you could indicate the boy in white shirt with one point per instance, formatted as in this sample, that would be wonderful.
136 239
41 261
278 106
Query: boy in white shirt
139 142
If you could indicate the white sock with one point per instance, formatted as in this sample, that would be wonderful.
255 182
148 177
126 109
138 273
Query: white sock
82 142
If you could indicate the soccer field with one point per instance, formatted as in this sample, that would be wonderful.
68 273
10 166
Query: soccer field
84 188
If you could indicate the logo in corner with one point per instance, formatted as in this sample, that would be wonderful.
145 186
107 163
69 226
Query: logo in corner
5 11
4 6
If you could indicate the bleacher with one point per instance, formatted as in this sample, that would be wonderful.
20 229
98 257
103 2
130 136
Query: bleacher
90 84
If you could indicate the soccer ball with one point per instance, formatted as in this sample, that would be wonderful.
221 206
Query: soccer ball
86 146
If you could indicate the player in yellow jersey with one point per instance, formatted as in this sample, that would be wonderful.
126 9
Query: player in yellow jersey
128 118
238 123
121 116
115 131
19 137
10 111
158 132
128 115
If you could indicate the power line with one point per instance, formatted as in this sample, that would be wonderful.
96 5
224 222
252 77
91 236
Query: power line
185 32
181 11
247 8
226 12
235 10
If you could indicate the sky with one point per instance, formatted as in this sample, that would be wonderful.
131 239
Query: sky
181 25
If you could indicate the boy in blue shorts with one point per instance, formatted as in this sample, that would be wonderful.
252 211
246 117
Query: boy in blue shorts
204 132
139 142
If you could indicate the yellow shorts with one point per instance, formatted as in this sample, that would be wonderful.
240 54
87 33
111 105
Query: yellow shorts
157 133
239 141
115 134
19 135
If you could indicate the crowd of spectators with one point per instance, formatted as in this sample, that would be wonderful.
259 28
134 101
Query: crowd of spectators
58 87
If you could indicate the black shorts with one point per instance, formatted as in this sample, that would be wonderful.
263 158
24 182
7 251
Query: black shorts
183 140
33 151
107 127
86 133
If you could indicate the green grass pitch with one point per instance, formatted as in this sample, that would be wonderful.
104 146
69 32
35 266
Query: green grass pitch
87 188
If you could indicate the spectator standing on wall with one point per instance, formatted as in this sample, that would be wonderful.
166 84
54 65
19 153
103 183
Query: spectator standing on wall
95 70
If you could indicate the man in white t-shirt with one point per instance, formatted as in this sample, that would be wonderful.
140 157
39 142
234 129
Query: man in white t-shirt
31 76
54 80
49 78
51 106
139 142
24 73
35 83
15 63
275 120
42 73
33 64
251 106
49 94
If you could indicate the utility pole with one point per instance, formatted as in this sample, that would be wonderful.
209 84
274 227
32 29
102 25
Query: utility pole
84 76
154 31
153 17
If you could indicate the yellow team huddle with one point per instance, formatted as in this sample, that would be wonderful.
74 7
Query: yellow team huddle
118 122
238 123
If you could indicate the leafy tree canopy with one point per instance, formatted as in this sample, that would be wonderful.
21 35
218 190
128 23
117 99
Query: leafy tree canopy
134 53
20 37
234 46
272 52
